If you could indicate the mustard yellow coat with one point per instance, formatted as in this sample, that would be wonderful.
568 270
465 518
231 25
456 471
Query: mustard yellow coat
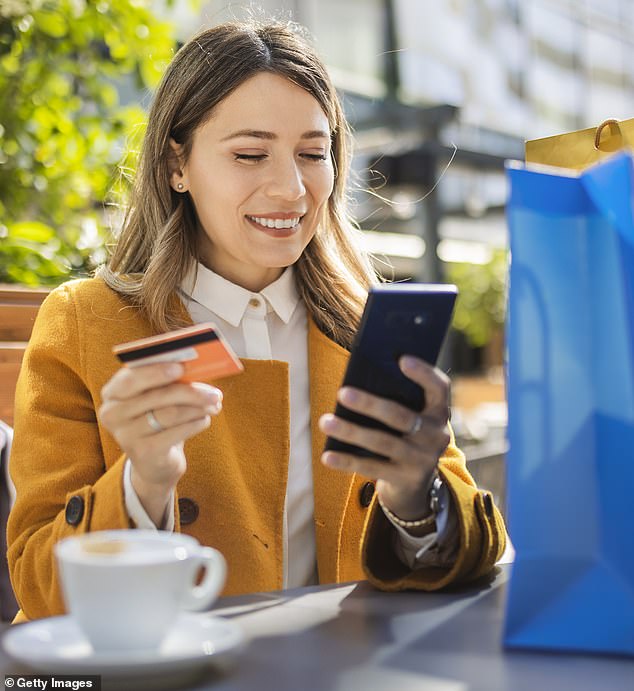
237 469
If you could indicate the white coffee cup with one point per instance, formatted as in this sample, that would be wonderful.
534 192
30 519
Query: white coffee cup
126 588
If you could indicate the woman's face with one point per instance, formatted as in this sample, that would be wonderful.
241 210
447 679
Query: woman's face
260 175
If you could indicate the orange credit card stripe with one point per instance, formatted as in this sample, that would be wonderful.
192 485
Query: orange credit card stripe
214 362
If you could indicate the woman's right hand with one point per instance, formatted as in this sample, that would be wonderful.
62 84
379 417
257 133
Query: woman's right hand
181 409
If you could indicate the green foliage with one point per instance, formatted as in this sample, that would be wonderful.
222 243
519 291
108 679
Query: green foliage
62 127
481 304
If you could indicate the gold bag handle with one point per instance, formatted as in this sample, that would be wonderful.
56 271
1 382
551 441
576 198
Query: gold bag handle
615 130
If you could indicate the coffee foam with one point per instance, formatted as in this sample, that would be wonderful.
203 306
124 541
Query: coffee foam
105 547
123 551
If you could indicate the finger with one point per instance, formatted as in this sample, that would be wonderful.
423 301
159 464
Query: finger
375 469
429 442
167 418
129 382
208 399
377 441
389 412
434 382
157 444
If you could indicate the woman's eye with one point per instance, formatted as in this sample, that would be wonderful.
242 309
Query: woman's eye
249 157
254 158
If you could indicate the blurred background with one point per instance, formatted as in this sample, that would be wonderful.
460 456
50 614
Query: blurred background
440 95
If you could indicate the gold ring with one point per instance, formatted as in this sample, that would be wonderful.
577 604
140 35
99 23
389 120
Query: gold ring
153 422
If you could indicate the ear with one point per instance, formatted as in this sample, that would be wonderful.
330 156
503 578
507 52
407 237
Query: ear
175 165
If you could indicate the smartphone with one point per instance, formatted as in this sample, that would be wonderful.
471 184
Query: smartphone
398 319
201 349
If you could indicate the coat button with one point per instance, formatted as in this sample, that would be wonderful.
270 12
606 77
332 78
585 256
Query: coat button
74 510
188 510
365 494
488 504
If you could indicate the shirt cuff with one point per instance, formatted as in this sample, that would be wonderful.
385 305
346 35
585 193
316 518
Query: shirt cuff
135 509
434 549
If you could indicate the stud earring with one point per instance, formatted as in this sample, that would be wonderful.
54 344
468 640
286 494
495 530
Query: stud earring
180 186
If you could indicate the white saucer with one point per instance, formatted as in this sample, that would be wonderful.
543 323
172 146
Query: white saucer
56 645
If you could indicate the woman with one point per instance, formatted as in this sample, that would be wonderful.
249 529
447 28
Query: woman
237 216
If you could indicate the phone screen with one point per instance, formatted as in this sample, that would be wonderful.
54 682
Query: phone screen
398 319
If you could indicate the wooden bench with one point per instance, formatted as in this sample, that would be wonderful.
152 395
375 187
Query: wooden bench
18 308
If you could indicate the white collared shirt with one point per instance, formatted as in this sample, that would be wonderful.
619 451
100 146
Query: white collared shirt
273 324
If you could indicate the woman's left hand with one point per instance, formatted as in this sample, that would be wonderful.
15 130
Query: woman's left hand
403 482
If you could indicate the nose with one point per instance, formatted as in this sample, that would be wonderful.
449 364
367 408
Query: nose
286 181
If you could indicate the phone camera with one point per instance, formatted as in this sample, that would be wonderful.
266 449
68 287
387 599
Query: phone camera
405 320
421 319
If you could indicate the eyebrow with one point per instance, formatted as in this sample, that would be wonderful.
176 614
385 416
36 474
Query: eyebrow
262 134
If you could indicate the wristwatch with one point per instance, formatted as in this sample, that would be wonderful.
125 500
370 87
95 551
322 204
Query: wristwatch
434 494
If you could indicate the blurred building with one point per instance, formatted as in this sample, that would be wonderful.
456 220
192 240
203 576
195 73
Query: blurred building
465 81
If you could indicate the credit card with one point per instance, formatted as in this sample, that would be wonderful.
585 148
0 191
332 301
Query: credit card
201 349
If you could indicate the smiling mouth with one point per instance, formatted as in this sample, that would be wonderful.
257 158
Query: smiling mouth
276 223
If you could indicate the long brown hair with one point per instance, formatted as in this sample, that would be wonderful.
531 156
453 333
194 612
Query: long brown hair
158 242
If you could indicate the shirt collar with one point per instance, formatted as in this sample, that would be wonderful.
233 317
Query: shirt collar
229 301
282 295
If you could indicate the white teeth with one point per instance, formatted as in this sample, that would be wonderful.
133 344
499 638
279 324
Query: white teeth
277 223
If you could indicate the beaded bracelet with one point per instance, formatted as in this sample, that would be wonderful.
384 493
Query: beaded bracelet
434 505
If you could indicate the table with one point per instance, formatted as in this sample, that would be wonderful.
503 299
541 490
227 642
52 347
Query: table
353 638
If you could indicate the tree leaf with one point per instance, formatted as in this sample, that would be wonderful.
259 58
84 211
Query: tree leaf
51 23
31 230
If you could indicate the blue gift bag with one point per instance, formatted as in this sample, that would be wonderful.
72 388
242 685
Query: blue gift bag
570 466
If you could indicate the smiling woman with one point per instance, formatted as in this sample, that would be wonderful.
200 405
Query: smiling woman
289 123
238 216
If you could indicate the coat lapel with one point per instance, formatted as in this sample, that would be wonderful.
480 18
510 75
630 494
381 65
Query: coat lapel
327 362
